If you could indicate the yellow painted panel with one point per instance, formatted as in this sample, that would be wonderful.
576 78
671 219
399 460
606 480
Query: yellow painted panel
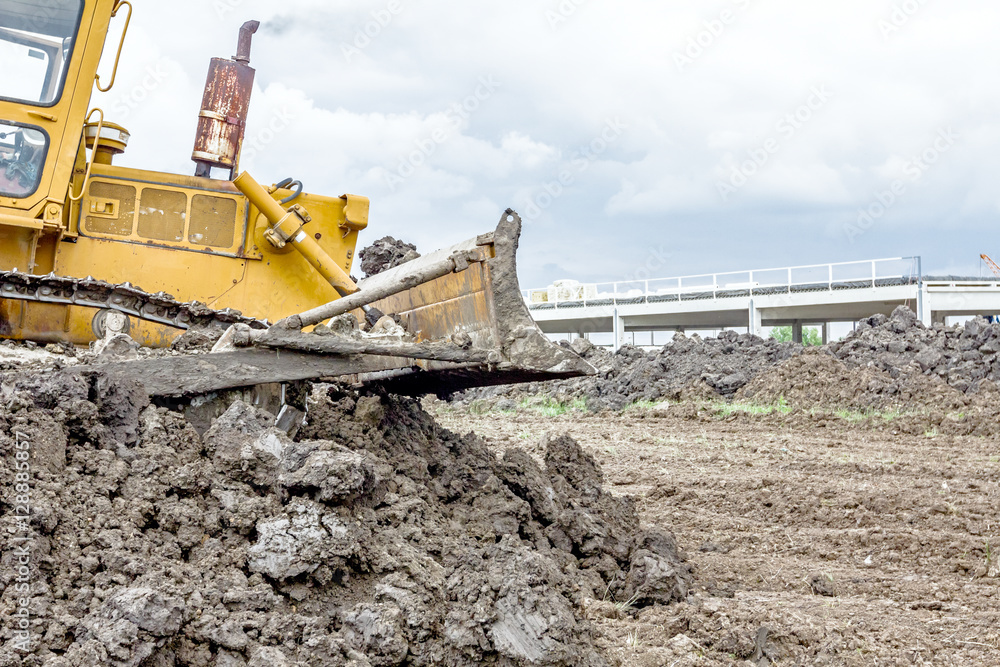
116 214
213 221
278 286
162 214
53 323
15 248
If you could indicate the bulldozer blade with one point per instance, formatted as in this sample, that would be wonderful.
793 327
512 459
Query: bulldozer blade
198 374
471 327
483 302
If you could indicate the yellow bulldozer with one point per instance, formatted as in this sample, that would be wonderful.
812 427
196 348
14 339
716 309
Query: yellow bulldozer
90 249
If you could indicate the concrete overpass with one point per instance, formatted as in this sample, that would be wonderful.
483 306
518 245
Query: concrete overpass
792 296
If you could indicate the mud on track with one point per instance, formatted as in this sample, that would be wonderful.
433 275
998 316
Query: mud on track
850 545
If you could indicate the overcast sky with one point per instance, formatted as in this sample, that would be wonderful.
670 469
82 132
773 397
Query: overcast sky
635 137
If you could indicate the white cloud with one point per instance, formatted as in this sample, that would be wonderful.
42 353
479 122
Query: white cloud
526 152
357 119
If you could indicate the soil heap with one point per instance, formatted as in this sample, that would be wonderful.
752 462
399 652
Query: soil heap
817 379
943 378
685 366
386 253
891 361
376 537
962 356
886 361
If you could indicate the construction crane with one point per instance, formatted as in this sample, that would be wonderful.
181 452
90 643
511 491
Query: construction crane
990 263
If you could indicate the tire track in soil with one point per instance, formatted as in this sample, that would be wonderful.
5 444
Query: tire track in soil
897 525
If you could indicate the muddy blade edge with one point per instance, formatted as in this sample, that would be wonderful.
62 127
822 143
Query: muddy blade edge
481 305
485 303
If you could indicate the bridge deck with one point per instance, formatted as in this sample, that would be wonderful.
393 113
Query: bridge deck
620 308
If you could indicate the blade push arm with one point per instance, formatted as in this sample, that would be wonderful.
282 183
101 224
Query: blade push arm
287 228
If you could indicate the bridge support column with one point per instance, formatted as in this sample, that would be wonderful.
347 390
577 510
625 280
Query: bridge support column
826 332
618 327
797 332
754 325
924 306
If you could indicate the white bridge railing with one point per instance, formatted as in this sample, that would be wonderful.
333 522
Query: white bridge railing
816 277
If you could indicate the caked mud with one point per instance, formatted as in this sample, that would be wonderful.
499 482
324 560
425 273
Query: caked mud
375 537
386 253
816 541
886 363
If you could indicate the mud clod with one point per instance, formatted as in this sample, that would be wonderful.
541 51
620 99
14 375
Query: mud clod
887 363
376 537
719 366
197 339
822 585
385 254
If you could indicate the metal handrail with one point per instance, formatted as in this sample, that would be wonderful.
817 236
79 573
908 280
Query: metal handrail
615 294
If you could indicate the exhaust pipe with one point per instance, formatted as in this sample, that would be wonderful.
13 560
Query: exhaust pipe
224 108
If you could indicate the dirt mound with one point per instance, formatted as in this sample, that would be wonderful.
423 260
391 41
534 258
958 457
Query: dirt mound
817 379
899 362
385 254
911 402
724 364
962 356
941 379
374 538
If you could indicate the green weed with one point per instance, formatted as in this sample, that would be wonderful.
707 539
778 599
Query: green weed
644 405
858 416
724 410
627 604
478 408
546 406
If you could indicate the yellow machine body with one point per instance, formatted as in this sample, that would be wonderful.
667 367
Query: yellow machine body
67 210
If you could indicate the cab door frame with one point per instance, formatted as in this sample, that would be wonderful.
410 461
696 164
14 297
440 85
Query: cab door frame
62 121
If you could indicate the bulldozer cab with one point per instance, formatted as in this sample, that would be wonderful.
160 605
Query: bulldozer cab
50 51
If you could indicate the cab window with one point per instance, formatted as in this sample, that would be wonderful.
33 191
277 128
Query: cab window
22 154
36 40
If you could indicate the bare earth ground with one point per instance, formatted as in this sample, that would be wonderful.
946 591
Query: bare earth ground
813 543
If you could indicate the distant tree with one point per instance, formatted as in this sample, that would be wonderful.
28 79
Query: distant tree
811 337
782 334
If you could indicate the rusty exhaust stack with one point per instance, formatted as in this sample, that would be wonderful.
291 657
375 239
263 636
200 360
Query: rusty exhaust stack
223 116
